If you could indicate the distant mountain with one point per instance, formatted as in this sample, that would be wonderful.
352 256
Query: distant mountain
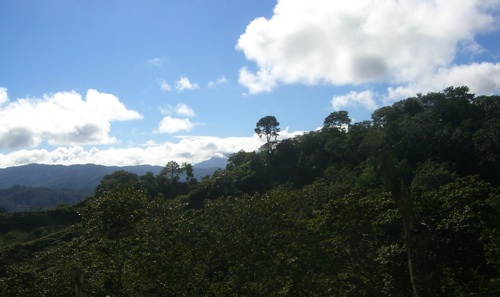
38 186
85 176
60 176
214 162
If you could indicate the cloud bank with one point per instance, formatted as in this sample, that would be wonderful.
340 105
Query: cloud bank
410 45
73 125
63 118
192 149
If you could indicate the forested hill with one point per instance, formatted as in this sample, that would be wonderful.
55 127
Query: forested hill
38 186
406 204
85 175
60 176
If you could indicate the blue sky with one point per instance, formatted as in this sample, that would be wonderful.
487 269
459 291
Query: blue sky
146 82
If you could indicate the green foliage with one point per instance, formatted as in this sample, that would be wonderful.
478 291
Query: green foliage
363 238
114 213
117 179
465 216
337 119
314 218
268 126
21 198
171 171
262 245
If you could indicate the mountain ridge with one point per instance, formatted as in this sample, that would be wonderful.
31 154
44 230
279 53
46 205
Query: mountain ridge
43 186
85 175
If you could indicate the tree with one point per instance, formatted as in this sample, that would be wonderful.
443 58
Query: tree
111 238
148 183
171 171
466 253
188 169
168 180
268 126
117 179
417 233
337 119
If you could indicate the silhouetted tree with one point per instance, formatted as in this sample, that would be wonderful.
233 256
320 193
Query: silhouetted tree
268 126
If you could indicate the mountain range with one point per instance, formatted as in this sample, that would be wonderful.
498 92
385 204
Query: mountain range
87 175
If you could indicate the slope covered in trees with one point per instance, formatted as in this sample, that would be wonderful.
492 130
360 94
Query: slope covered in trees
39 186
405 204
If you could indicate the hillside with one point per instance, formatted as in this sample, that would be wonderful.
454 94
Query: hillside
84 176
38 186
406 204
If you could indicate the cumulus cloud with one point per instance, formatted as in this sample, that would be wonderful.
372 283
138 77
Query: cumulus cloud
366 41
365 99
170 125
481 78
260 82
184 84
63 118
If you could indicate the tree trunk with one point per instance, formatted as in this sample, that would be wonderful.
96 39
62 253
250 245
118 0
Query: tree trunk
417 234
79 282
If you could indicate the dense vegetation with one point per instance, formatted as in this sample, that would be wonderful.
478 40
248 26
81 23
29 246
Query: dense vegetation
39 186
405 204
21 198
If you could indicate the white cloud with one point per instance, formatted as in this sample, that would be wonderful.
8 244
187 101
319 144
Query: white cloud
192 149
481 78
150 143
3 96
184 84
164 86
170 125
361 41
104 106
157 62
285 133
184 110
257 83
219 81
63 118
365 99
180 109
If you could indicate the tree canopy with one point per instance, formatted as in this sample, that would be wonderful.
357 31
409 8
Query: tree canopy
268 126
337 119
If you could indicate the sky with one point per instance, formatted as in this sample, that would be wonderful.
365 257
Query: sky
129 82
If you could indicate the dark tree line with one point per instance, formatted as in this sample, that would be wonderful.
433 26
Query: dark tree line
167 183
